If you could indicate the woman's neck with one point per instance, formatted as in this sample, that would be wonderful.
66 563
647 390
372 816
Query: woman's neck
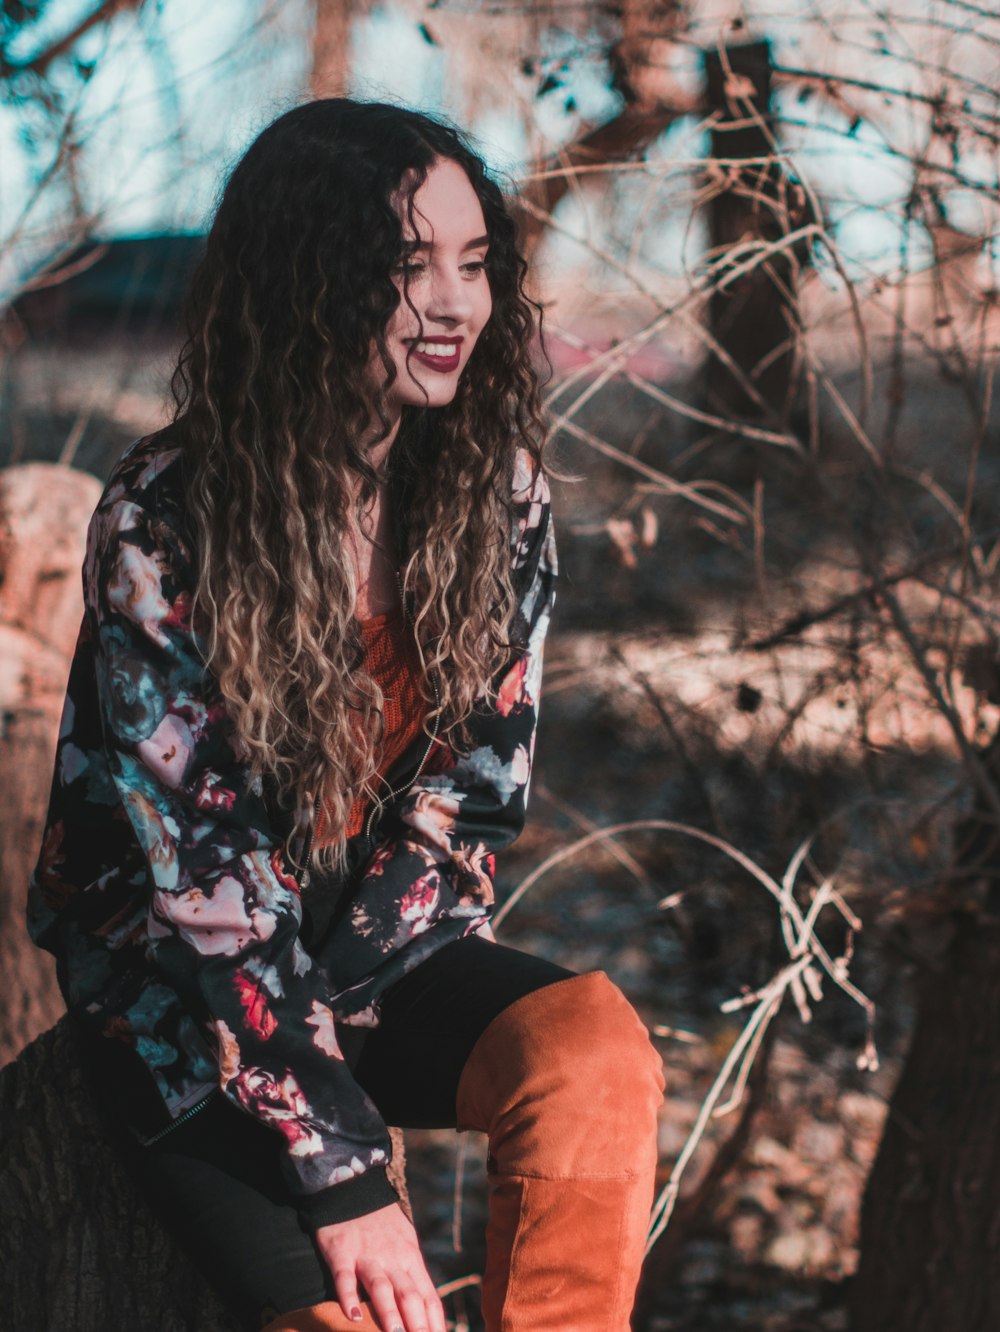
378 454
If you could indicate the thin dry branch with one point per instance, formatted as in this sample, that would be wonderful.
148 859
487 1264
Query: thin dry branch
40 64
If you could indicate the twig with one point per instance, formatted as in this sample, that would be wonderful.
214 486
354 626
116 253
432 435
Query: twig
662 711
581 820
40 63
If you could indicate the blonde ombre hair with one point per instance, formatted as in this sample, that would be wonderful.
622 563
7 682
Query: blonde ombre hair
293 291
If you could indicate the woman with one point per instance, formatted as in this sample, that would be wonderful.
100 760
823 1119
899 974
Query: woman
299 723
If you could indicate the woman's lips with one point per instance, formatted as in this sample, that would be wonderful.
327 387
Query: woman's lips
443 364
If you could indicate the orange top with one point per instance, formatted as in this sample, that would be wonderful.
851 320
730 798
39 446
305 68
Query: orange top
392 660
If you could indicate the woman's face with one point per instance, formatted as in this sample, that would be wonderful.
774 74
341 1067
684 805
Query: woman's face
445 279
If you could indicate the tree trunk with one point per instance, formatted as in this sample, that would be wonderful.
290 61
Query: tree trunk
930 1223
752 317
333 26
44 511
79 1249
652 104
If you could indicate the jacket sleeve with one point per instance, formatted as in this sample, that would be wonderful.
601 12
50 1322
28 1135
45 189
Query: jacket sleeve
223 907
433 860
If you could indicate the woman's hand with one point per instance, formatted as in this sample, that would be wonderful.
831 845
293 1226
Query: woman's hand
380 1250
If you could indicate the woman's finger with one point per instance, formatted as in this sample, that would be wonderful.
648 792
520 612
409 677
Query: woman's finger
435 1313
346 1285
411 1302
383 1301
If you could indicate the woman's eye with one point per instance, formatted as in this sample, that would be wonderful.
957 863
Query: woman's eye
409 267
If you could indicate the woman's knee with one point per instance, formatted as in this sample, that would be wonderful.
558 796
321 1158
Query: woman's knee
570 1067
586 1031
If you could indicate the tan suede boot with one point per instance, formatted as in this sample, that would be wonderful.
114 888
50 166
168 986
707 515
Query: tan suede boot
326 1317
566 1084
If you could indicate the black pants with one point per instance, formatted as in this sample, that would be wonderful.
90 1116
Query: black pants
215 1180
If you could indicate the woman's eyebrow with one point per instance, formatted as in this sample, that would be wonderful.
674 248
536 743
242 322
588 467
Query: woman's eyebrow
412 246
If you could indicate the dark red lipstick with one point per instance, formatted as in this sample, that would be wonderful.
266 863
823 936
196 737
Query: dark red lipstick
428 352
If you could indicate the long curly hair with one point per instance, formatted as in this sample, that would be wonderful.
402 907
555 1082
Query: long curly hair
293 292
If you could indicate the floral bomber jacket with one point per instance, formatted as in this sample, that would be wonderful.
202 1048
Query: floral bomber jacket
186 943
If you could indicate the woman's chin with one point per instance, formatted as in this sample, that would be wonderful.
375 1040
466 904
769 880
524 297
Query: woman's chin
439 394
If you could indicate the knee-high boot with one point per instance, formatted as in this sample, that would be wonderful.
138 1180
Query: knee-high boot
566 1084
325 1317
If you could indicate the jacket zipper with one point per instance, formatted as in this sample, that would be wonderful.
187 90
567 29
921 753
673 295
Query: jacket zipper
181 1119
303 875
382 801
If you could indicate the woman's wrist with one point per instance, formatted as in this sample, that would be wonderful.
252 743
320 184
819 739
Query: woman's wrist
368 1192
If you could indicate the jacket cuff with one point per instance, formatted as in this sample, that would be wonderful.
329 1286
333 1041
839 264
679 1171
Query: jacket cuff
347 1201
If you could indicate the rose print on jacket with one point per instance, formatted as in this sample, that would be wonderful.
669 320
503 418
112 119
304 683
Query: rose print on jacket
258 1016
280 1103
432 815
229 1053
135 588
356 1167
475 866
418 903
168 749
325 1033
221 923
130 689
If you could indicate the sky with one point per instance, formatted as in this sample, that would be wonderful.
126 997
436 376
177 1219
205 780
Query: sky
222 71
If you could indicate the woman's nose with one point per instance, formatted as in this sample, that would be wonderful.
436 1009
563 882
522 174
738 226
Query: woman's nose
449 297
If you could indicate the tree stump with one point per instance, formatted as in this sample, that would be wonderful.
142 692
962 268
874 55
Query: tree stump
80 1251
44 511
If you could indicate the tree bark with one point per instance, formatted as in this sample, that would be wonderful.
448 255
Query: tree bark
930 1220
79 1249
651 105
753 317
930 1223
331 45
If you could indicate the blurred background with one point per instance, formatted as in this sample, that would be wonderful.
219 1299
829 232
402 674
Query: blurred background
767 792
